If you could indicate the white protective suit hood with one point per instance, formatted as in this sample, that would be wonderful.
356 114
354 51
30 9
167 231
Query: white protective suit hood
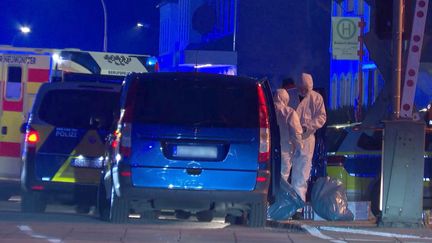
281 97
305 83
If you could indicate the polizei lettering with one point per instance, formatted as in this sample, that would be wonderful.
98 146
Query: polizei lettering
66 132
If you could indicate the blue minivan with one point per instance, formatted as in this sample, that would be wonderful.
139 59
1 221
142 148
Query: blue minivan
194 143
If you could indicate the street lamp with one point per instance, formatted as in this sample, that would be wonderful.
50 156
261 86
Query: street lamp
24 30
141 25
105 40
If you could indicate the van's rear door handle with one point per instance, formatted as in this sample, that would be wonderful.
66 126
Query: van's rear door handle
4 130
194 171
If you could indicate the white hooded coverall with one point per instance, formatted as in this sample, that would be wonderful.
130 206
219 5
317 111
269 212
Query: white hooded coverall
290 130
312 114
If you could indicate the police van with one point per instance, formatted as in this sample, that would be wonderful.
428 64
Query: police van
24 70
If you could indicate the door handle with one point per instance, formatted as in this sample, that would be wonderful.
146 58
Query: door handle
4 130
194 171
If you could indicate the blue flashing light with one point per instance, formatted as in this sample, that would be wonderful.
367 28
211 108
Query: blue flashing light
368 66
151 61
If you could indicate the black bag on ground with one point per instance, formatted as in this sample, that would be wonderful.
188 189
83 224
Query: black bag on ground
286 204
329 200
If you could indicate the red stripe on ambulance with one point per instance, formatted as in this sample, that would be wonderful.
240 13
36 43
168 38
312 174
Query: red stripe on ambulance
38 75
8 149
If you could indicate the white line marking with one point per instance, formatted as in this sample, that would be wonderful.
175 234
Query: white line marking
316 233
374 233
366 240
28 231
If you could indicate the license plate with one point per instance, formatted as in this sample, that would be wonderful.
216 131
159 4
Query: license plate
83 162
202 152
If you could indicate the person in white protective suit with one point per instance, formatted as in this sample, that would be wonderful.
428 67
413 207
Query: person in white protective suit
290 131
312 114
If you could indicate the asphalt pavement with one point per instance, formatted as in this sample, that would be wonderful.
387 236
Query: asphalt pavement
61 224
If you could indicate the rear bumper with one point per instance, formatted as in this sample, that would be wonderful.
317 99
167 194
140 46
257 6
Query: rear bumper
30 182
194 195
259 194
58 187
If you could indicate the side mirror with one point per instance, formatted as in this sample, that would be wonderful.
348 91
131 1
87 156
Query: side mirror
23 127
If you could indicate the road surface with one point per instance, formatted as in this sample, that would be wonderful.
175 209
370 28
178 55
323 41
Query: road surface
61 224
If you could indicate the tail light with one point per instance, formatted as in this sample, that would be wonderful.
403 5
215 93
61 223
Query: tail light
126 120
264 124
125 139
126 173
32 137
38 188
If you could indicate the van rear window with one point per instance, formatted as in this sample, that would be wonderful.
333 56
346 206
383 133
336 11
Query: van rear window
83 109
198 103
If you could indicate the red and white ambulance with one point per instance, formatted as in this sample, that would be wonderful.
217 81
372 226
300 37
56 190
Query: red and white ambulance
24 70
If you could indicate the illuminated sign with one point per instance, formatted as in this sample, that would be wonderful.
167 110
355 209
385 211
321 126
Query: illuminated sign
345 33
14 59
118 60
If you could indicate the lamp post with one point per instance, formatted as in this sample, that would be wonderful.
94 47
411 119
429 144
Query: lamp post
105 40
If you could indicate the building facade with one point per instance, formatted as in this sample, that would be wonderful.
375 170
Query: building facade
262 39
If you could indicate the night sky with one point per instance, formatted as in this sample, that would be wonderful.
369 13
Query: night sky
79 24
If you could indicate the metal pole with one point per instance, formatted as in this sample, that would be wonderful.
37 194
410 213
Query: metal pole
235 26
360 69
398 10
105 40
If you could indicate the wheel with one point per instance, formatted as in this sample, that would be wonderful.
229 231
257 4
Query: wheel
205 216
257 215
119 212
32 202
375 189
234 220
82 208
150 215
4 196
103 204
181 214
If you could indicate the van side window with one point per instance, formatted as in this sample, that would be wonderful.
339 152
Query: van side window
13 83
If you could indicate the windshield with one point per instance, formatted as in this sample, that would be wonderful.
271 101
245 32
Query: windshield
79 108
199 103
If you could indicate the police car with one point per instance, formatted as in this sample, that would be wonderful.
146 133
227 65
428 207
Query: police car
64 143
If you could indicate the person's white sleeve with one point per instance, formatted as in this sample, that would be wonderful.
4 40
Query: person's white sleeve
296 130
320 116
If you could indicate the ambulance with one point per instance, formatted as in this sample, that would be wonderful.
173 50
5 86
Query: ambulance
24 70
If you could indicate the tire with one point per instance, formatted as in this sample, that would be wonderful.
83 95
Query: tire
82 209
150 215
375 190
4 196
234 220
257 215
103 204
33 202
205 216
181 214
119 212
